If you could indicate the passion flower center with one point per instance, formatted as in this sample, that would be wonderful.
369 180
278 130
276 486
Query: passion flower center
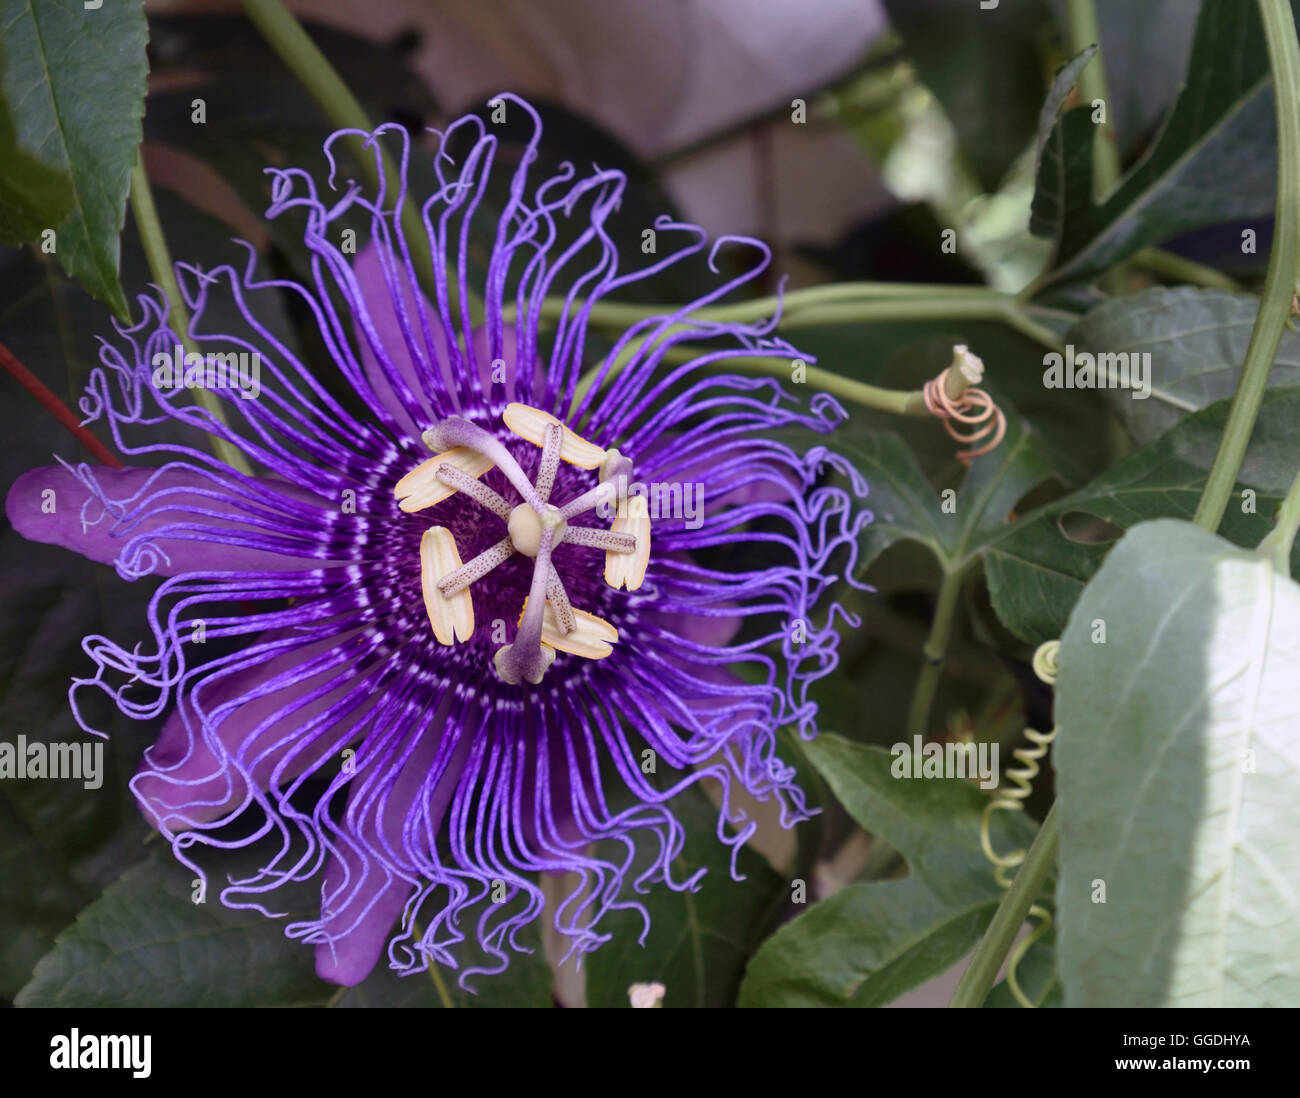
526 527
548 620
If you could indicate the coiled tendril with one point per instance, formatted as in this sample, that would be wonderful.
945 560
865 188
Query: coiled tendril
1013 800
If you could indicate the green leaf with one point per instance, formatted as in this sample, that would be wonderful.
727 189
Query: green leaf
869 943
1197 341
1035 572
1223 116
73 82
42 896
865 946
698 942
146 942
1144 47
60 842
1062 85
1063 171
983 66
907 507
33 195
933 823
904 504
1178 771
1069 425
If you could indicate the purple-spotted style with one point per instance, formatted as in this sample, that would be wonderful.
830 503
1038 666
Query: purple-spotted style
388 659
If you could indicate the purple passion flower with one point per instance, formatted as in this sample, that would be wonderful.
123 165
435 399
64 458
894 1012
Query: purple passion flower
452 636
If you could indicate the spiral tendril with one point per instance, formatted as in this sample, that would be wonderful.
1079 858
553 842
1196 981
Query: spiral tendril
974 407
1045 664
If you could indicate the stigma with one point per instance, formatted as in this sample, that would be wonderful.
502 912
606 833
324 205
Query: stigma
533 527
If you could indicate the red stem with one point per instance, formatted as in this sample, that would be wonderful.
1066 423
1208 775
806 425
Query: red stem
60 411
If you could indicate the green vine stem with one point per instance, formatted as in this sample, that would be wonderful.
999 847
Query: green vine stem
1275 308
1180 269
160 267
1081 17
1281 538
991 305
935 649
1283 268
973 988
846 303
619 315
901 402
895 401
842 303
285 35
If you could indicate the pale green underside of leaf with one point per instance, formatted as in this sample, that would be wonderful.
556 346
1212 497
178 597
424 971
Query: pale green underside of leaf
1178 772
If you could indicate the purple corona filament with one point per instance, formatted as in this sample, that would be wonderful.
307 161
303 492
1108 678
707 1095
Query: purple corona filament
416 680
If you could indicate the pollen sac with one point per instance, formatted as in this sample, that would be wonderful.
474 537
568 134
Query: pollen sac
421 488
452 618
628 569
591 638
530 423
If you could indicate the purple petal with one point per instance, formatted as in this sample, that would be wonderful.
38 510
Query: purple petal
732 475
55 505
360 928
360 876
698 628
187 776
402 397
